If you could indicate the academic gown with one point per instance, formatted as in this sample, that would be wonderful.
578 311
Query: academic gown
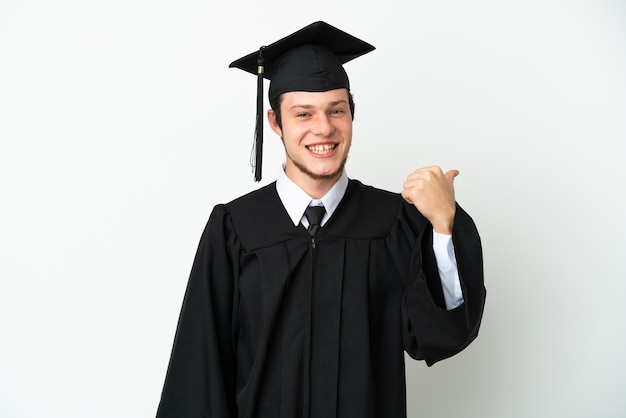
276 323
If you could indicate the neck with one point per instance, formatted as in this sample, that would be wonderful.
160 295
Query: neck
314 186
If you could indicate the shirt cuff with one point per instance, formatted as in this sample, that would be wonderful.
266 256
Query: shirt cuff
443 248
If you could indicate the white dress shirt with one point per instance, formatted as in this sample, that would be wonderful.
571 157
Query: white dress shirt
295 200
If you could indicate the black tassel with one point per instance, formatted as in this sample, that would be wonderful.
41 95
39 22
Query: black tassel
258 132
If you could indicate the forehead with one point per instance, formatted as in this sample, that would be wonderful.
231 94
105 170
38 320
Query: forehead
307 98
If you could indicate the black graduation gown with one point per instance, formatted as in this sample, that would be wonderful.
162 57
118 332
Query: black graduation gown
274 324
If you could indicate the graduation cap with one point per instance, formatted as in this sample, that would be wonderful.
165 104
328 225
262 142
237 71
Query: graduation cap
309 59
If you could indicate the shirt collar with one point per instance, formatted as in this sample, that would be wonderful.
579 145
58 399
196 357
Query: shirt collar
295 200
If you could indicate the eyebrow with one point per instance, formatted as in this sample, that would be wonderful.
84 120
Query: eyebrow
310 106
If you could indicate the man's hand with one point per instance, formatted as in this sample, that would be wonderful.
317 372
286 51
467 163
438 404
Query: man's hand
432 193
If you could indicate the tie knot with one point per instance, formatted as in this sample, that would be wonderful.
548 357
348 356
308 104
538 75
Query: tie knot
314 215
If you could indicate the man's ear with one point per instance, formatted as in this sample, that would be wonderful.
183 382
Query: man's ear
271 118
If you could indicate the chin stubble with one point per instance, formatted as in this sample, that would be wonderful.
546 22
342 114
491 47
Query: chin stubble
314 176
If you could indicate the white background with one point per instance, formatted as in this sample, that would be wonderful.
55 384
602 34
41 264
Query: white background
121 126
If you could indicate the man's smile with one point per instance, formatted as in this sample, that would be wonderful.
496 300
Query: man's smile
321 149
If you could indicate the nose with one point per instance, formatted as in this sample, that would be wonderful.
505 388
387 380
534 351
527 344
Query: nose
323 126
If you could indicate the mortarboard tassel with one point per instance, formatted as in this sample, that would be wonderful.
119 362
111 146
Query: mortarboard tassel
258 132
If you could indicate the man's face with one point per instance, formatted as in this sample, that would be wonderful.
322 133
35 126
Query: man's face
317 133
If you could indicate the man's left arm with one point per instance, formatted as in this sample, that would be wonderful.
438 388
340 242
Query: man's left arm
452 258
431 191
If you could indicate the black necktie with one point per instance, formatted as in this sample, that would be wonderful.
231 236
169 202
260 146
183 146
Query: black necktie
314 215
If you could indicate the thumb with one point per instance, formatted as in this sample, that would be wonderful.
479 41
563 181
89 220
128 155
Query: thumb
450 175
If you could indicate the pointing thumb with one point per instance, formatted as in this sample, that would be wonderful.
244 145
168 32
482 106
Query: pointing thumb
450 175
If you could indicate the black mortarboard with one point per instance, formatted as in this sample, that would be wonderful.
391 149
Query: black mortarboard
307 60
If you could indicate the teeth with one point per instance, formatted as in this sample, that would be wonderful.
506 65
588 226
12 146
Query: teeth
321 149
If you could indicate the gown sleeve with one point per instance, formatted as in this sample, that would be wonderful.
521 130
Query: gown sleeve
431 332
200 380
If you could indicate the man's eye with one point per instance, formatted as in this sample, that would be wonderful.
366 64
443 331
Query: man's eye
337 112
302 115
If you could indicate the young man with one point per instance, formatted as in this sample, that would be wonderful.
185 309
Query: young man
305 294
